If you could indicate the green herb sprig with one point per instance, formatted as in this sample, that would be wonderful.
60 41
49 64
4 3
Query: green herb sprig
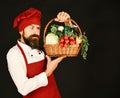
84 48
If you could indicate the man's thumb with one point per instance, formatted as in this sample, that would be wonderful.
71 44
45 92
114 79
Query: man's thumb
48 58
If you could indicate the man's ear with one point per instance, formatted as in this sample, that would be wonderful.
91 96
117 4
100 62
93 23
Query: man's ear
21 32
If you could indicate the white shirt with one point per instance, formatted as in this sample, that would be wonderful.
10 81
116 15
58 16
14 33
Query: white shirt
17 68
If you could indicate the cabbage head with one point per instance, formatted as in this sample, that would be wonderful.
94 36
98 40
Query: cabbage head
51 38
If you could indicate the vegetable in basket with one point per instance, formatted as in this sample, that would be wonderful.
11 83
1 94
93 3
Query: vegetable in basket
66 36
51 38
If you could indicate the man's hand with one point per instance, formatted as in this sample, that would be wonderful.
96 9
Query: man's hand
63 17
52 64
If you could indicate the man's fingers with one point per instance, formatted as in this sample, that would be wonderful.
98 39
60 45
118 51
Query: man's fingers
48 58
56 19
62 17
60 58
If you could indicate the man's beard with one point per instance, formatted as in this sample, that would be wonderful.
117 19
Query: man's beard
33 41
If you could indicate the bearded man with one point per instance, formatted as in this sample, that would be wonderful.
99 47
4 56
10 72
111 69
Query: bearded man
29 67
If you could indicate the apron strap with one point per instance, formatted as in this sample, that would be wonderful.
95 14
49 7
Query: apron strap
22 53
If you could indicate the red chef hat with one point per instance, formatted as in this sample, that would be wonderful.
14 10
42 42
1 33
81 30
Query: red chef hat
28 17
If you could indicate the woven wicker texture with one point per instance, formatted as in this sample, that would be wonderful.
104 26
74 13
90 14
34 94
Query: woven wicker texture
56 50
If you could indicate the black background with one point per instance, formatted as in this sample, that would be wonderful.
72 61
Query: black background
96 77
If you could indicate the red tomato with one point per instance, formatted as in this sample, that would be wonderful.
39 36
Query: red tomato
62 40
65 37
65 45
72 42
71 38
61 44
66 41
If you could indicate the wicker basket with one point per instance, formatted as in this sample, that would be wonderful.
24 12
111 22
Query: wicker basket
56 50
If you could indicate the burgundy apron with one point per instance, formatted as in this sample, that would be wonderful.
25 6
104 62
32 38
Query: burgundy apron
49 91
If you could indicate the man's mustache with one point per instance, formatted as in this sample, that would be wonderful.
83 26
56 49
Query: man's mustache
35 35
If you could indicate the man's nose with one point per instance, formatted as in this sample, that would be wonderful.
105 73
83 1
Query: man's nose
36 31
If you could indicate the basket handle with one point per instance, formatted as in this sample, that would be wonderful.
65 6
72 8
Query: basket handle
73 21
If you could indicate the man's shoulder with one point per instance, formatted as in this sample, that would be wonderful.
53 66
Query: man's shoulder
13 49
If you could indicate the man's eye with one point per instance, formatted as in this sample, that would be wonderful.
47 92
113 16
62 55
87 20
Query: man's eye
38 28
32 27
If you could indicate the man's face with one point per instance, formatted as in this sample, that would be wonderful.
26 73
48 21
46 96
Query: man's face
31 36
